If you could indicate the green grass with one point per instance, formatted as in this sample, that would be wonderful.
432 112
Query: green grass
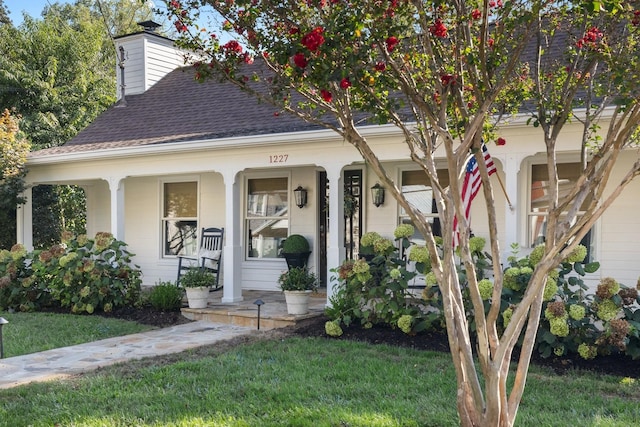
32 332
302 382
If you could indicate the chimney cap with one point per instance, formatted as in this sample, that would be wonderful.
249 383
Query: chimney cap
149 25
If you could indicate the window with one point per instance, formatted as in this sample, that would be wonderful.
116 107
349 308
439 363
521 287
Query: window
417 189
568 174
180 218
267 216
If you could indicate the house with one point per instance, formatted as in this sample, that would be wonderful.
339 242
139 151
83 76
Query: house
175 155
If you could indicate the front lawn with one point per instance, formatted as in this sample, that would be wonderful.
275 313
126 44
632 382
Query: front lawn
298 381
33 332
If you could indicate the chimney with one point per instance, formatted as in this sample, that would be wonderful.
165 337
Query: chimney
149 26
149 57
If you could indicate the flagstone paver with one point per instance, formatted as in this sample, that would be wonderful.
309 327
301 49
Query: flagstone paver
63 362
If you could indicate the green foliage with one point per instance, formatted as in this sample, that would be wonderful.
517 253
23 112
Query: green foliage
572 320
166 296
13 153
375 289
197 277
81 274
57 73
295 244
298 279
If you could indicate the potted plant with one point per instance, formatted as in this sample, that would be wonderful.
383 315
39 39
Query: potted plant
295 250
197 281
297 284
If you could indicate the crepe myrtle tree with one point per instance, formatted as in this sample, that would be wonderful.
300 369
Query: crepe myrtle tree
448 74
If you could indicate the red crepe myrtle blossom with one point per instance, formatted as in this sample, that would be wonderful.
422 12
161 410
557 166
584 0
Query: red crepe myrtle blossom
590 38
380 66
490 42
501 141
248 59
232 46
447 78
345 83
438 29
636 18
300 60
175 4
180 26
326 95
476 14
391 43
314 39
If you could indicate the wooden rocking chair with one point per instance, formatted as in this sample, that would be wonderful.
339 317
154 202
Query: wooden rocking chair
209 256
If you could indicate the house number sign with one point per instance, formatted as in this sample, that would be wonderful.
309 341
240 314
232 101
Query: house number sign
278 158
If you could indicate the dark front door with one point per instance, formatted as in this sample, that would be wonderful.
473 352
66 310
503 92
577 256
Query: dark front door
352 212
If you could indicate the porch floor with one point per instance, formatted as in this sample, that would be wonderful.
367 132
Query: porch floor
273 313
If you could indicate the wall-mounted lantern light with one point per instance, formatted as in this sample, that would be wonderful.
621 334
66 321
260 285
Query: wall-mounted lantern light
300 196
377 194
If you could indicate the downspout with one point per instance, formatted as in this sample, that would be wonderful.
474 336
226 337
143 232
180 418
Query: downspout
123 101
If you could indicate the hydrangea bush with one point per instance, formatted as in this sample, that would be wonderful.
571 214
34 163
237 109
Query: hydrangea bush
82 274
375 290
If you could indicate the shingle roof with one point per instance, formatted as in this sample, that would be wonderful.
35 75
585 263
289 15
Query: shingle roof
176 109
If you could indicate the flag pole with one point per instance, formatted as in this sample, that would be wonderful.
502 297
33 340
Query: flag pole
504 191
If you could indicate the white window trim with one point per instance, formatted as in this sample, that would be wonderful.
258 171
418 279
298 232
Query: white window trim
527 213
245 189
174 180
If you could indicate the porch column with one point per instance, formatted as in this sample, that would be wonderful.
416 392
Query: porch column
116 188
24 221
232 252
511 163
335 249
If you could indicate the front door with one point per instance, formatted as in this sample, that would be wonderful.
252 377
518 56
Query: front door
352 212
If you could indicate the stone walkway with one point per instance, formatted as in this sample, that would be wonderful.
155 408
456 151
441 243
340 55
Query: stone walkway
63 362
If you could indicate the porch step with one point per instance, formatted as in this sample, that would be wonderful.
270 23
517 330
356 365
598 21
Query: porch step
273 313
247 318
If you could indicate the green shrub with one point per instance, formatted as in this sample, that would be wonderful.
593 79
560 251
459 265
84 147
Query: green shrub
377 291
82 274
572 321
166 296
295 244
20 289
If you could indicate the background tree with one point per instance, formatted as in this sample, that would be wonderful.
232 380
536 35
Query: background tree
4 14
448 74
58 74
13 155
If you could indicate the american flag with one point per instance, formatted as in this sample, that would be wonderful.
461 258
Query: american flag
471 186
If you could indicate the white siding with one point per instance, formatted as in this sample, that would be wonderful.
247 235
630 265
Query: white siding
148 58
619 231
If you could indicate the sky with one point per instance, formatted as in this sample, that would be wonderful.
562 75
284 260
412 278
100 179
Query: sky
32 7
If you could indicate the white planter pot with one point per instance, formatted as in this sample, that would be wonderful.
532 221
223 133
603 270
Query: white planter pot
297 301
197 297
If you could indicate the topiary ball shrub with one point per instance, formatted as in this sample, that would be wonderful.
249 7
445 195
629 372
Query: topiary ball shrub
295 244
166 296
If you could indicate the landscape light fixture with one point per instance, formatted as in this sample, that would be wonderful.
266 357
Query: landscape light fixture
259 303
300 196
377 195
3 322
